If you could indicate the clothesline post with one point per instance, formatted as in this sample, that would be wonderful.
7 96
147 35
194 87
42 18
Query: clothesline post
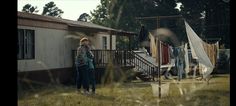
159 59
159 44
159 67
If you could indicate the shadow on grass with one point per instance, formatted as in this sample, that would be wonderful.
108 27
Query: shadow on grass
214 92
210 98
199 98
220 76
136 84
102 97
42 90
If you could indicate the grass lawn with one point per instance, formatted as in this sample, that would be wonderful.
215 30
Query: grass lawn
188 92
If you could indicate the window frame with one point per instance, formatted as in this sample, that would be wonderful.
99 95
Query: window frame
27 42
104 43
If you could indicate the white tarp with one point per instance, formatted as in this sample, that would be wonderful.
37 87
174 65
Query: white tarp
198 50
192 51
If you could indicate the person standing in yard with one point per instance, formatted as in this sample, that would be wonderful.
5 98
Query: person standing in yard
91 67
82 66
179 62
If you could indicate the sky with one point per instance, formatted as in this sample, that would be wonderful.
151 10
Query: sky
72 8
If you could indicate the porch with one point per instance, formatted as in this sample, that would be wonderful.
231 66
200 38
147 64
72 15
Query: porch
124 59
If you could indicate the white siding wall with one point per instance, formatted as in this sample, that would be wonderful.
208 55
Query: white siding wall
52 50
113 42
98 41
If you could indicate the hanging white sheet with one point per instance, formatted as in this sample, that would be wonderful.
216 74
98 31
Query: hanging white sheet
198 50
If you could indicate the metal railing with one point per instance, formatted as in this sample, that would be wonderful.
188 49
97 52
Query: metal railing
144 66
117 57
122 58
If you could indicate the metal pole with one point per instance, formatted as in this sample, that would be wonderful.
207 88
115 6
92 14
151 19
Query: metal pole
159 59
159 67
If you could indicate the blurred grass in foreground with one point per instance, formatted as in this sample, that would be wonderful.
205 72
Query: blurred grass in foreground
135 93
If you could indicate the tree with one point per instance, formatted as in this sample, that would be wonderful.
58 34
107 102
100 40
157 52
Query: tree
30 9
50 9
121 14
209 17
218 21
100 14
84 17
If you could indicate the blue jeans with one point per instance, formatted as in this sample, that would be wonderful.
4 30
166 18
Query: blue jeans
179 67
82 77
92 79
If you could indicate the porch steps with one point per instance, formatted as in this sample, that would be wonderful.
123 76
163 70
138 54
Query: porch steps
145 63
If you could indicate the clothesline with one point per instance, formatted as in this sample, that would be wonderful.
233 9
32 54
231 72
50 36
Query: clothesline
202 51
